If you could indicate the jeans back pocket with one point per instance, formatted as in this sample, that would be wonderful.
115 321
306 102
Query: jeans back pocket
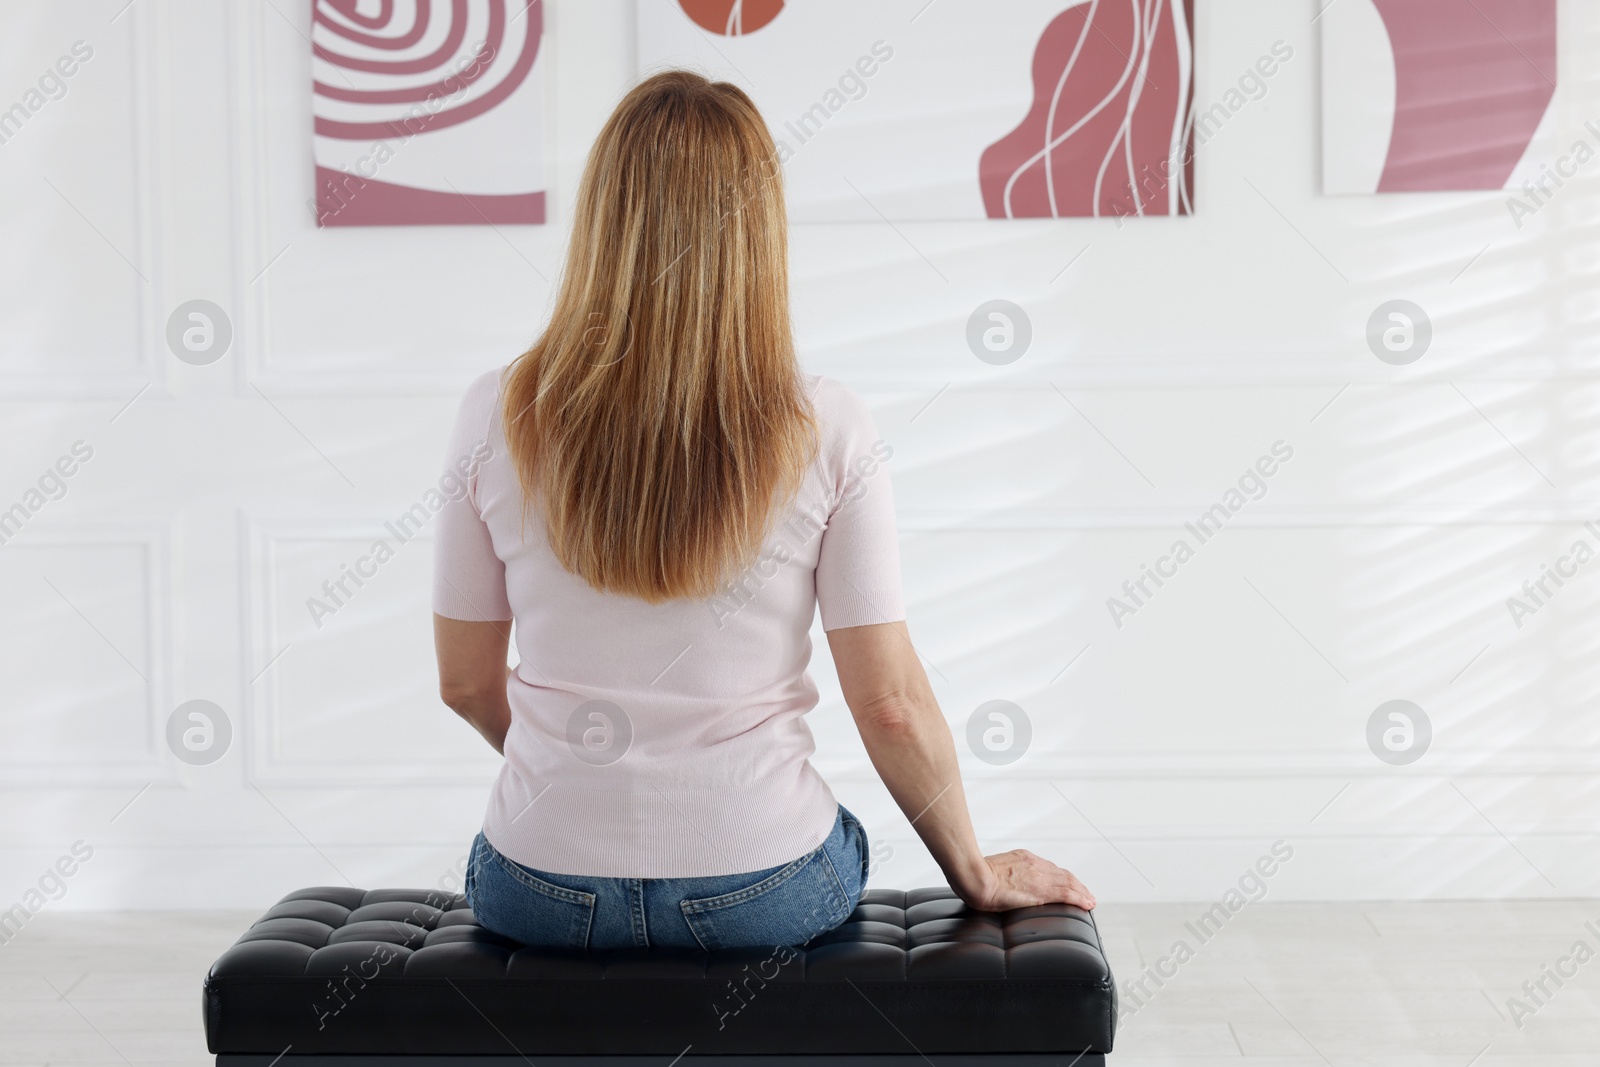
788 907
510 900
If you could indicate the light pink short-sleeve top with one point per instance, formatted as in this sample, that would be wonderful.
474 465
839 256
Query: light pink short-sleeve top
666 740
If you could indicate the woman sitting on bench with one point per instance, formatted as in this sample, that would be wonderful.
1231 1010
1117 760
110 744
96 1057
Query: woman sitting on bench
659 499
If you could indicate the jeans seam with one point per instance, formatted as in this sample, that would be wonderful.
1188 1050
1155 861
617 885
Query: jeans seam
844 894
636 912
471 879
588 925
694 932
849 820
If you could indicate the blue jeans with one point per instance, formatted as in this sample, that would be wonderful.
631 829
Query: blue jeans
785 905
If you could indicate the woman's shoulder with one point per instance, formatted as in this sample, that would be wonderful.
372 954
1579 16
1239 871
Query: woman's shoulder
846 429
482 397
478 413
486 387
838 407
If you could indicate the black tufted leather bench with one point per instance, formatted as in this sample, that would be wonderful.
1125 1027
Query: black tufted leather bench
351 977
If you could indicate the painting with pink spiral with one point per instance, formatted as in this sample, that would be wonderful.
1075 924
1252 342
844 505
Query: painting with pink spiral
1438 95
428 112
902 110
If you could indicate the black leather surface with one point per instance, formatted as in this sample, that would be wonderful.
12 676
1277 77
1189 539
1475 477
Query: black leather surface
339 970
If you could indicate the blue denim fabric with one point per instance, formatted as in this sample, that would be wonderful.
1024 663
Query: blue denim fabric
785 905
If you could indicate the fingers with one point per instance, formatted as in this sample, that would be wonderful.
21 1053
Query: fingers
1065 887
1027 879
1079 894
1069 891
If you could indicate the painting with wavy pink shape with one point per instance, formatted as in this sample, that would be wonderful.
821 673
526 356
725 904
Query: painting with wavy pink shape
427 112
1110 130
1424 95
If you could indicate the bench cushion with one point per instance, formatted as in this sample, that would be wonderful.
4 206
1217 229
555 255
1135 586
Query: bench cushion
340 970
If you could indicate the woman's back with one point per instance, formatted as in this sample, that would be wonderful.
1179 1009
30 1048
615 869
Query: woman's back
667 739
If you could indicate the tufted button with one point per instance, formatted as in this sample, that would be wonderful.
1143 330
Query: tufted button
913 897
263 959
1071 960
1069 911
880 913
304 931
460 960
855 931
967 929
929 910
363 959
414 912
891 898
433 898
1047 928
343 896
462 933
322 911
388 930
457 917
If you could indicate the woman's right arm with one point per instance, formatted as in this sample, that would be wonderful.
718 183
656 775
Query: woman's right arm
910 745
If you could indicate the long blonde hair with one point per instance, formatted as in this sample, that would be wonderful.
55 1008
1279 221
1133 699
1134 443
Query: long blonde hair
661 418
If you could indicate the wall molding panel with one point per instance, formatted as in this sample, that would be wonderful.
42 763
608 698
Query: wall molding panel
270 659
143 758
144 180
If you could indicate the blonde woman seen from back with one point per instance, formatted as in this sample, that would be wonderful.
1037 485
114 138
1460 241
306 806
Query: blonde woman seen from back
660 499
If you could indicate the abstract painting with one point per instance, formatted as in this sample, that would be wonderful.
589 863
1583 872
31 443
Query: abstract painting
1423 95
427 112
1109 132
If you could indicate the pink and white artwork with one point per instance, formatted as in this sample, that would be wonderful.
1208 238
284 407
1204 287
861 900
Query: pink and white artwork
958 109
428 112
1436 94
1110 129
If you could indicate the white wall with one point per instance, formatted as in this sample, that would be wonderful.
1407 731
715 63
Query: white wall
1227 714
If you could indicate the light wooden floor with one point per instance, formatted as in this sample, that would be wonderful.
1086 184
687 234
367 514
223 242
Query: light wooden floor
1308 985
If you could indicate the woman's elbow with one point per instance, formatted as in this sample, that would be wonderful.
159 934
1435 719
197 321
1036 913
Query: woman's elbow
462 697
888 716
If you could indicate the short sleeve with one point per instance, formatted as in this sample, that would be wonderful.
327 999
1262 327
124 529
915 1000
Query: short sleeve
858 561
469 580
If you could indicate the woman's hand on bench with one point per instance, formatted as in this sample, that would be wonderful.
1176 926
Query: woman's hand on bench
1020 879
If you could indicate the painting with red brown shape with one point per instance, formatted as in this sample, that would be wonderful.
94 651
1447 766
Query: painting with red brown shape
1109 131
1472 80
731 18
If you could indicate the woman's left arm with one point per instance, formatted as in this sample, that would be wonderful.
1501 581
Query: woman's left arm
473 674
